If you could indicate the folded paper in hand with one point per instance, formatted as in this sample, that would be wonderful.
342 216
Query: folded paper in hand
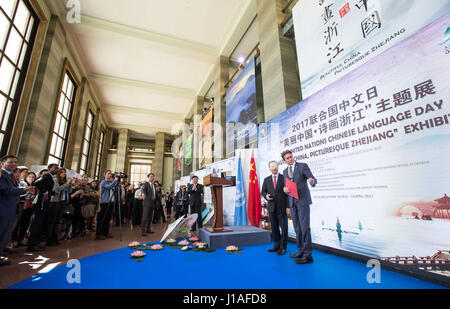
292 186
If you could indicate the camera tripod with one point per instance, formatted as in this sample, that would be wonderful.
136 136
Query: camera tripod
117 194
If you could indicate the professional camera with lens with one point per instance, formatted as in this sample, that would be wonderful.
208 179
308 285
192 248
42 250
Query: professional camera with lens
120 175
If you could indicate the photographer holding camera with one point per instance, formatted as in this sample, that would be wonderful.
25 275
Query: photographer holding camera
106 204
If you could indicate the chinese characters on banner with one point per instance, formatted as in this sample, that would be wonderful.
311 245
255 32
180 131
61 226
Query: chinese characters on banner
353 110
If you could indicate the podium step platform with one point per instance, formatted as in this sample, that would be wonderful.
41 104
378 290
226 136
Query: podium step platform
239 236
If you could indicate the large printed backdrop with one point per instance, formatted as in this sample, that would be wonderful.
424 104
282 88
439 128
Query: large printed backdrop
378 141
206 136
188 150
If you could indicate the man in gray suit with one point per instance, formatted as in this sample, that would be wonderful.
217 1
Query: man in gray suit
299 208
9 195
148 205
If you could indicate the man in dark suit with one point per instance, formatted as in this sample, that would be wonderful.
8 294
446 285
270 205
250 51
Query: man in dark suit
148 205
159 210
272 191
299 208
45 186
195 191
181 202
9 195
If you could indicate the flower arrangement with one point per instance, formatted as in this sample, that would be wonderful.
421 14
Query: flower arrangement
156 247
233 249
183 243
202 245
170 241
194 239
134 244
137 254
185 248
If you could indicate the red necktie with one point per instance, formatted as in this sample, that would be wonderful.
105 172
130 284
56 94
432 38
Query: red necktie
275 182
14 179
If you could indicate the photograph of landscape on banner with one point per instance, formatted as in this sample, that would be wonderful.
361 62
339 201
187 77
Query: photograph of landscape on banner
241 128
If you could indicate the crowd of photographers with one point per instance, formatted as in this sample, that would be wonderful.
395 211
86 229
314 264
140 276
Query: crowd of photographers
49 207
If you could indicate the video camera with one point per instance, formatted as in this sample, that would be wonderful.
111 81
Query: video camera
120 175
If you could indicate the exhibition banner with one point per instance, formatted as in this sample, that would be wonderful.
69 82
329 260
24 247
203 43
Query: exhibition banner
229 192
206 137
378 142
188 150
334 37
241 128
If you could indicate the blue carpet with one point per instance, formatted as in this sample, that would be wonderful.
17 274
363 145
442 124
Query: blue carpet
254 269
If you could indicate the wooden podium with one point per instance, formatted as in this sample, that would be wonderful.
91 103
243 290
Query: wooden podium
217 185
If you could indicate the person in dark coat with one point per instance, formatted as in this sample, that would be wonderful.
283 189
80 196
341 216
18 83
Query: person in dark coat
169 202
181 202
159 207
195 191
44 186
272 191
9 197
137 206
148 206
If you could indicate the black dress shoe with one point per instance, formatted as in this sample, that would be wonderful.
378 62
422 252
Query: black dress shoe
281 252
8 250
304 260
4 262
296 255
274 249
18 245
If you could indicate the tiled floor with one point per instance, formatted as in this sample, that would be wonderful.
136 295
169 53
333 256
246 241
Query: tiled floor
25 265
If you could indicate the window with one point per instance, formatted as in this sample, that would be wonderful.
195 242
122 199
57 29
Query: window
139 173
18 26
60 130
87 142
99 155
